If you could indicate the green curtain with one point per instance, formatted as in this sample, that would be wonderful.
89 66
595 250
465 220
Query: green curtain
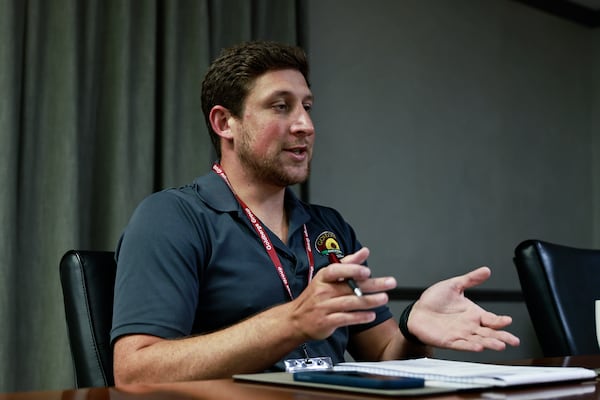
100 107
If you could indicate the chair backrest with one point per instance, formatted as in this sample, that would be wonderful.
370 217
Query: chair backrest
88 279
559 285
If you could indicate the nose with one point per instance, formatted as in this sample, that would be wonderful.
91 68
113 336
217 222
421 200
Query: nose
303 124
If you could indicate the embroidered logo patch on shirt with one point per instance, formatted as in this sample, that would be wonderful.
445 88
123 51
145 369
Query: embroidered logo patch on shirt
327 243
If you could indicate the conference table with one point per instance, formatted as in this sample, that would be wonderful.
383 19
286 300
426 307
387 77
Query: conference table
232 389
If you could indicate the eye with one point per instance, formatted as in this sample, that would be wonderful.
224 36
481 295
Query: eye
308 107
282 107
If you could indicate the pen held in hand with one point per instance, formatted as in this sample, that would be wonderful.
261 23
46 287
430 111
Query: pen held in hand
333 259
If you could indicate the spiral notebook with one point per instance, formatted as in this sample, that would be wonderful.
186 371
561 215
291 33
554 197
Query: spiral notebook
470 373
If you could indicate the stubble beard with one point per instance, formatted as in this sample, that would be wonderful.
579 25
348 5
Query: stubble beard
269 169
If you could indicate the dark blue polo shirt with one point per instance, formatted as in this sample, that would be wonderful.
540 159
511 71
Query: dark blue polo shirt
189 262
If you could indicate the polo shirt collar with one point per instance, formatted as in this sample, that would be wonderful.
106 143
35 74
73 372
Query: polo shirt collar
213 190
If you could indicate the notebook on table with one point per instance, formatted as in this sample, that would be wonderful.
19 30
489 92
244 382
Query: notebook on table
470 373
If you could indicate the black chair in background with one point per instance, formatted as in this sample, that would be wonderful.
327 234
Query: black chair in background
88 279
559 285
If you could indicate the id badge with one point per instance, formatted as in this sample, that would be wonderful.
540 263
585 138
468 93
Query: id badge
308 364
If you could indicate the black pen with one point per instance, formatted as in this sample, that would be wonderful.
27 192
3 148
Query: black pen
334 259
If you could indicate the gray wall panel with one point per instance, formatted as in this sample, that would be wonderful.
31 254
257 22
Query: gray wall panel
447 132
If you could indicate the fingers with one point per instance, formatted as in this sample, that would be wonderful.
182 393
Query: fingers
473 278
357 258
378 284
351 267
494 339
477 344
350 318
485 338
466 337
338 273
484 334
494 321
354 303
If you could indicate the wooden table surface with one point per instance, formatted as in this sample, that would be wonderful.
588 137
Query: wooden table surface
230 389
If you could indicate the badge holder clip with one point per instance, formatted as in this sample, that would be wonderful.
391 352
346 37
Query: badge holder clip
308 364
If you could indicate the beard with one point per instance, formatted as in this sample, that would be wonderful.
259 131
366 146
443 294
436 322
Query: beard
270 168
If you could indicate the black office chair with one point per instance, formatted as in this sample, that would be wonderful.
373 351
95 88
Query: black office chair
88 279
559 285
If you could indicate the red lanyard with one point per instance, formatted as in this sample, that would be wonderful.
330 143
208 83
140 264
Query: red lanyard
264 237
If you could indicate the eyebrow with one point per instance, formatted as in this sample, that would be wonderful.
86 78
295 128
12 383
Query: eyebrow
287 93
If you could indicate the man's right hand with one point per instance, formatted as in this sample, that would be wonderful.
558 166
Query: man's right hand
329 303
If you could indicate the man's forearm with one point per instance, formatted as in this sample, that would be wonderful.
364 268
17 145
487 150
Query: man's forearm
252 345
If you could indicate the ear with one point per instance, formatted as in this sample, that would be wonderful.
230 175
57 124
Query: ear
219 120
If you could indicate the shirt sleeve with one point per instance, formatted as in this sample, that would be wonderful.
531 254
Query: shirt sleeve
156 289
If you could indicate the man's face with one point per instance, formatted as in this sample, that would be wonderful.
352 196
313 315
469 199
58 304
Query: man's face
275 135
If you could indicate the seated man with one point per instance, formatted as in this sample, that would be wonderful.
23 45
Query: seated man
231 274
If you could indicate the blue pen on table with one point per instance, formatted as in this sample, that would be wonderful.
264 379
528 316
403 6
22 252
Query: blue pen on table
334 259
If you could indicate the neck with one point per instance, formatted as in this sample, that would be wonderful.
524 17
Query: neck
266 201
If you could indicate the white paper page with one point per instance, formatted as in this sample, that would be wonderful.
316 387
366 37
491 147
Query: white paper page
470 372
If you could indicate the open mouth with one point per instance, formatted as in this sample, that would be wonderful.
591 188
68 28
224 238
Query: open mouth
298 149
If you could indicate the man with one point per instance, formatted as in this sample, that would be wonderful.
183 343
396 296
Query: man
232 273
